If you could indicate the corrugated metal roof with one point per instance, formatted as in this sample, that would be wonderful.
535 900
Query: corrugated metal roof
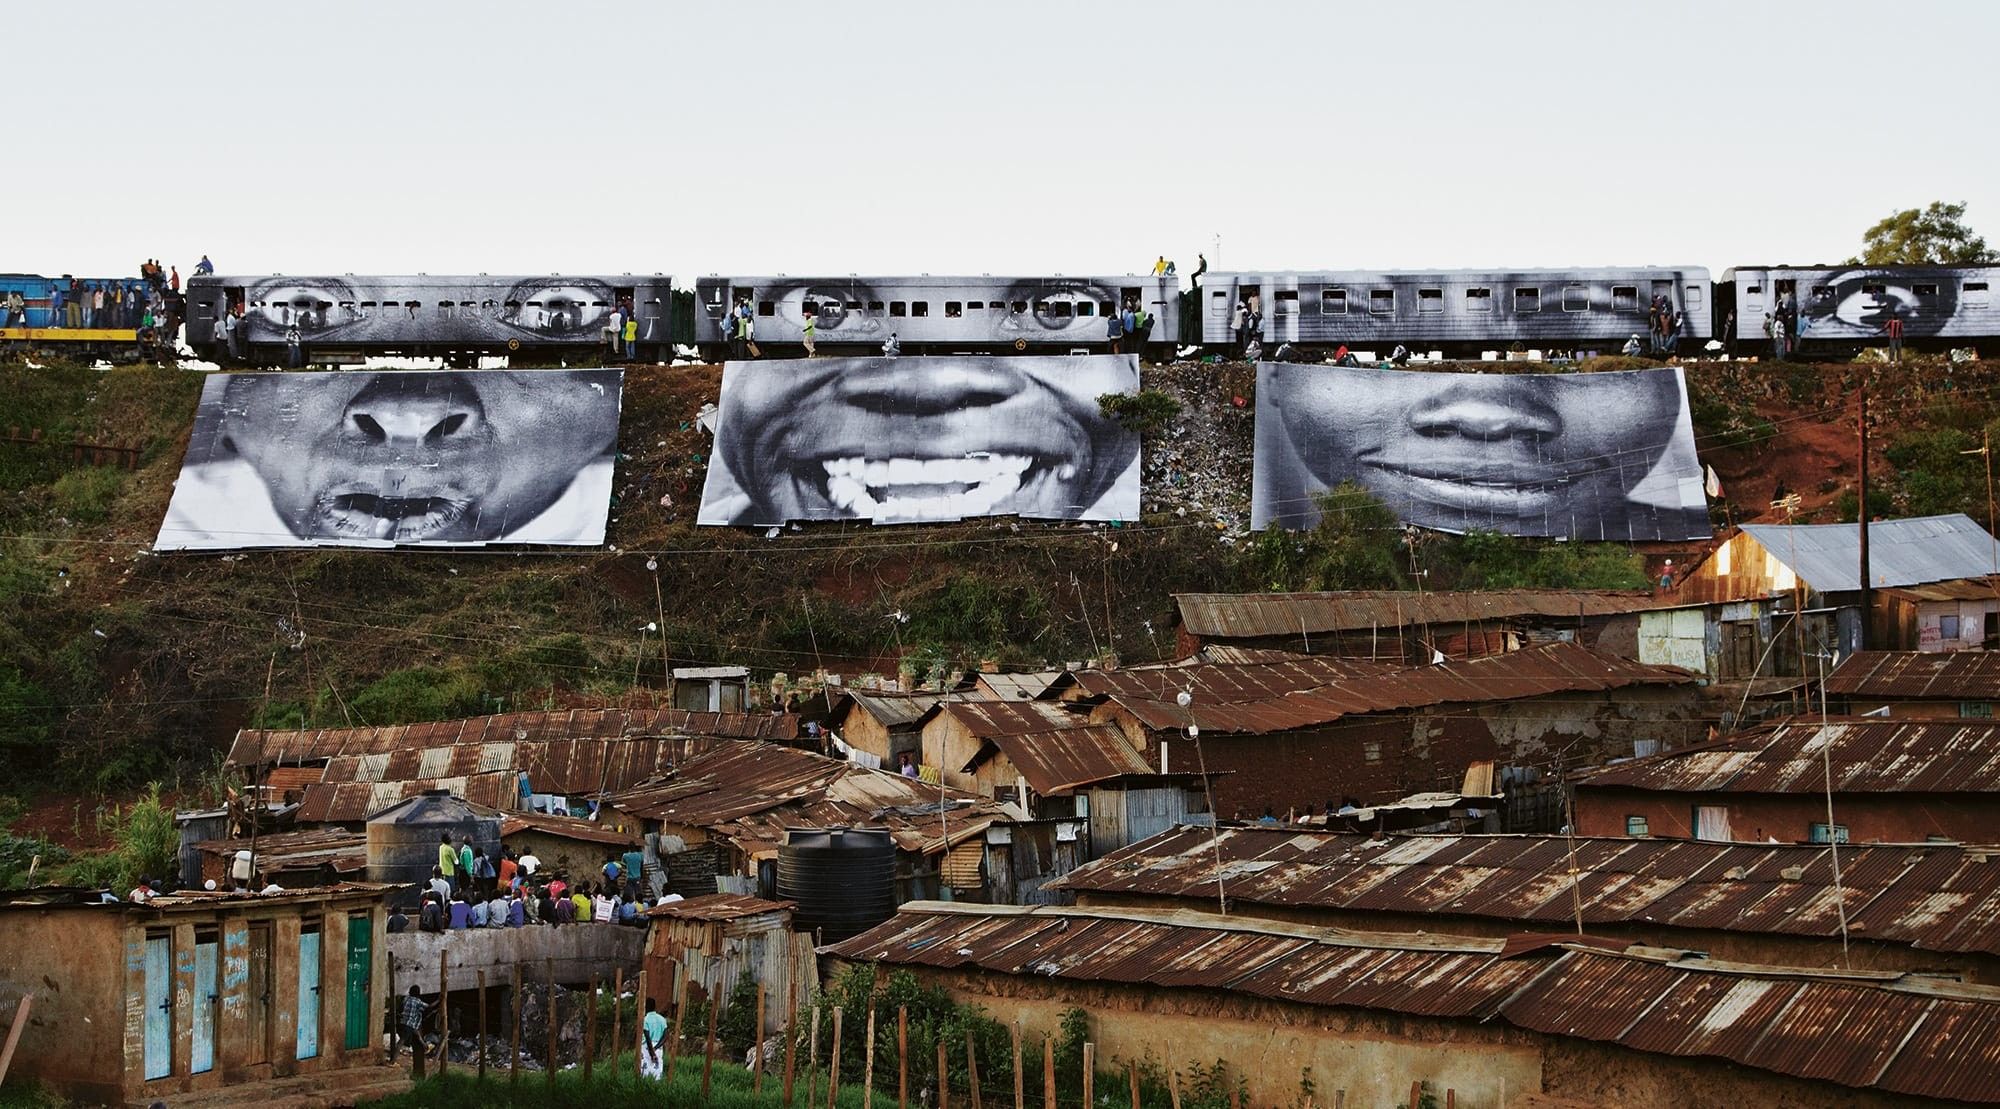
1871 755
255 747
1057 761
1958 589
1901 1033
1534 672
1946 676
990 718
719 906
1221 682
749 793
346 852
892 710
1937 897
1265 615
1922 549
352 802
566 827
1017 687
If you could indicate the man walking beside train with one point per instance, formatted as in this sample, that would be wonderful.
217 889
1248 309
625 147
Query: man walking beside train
1894 330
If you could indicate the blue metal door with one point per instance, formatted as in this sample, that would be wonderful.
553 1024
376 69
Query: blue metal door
207 954
159 1007
308 1022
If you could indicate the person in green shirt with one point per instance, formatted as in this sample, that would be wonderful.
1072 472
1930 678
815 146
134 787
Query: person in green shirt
465 872
653 1033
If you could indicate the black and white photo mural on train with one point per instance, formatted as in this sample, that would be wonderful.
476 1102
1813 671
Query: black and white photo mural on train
397 457
1602 456
1852 305
471 311
908 440
950 314
1457 311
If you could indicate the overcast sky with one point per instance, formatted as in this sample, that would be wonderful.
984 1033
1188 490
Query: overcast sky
940 137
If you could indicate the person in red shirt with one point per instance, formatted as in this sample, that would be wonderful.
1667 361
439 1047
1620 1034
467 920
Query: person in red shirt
506 870
1894 329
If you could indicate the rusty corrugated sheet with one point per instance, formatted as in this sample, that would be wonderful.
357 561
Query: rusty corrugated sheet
1945 676
1057 761
991 718
1534 672
1267 615
254 747
351 802
1938 897
1221 682
346 852
719 906
893 710
566 827
1958 589
1016 687
1866 755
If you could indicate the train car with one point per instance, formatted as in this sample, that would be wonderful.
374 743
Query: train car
346 319
45 325
934 315
1835 311
1462 313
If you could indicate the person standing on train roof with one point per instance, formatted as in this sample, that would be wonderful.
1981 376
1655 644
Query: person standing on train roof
174 278
204 267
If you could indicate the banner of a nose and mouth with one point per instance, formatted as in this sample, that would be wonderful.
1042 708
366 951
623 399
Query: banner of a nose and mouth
417 458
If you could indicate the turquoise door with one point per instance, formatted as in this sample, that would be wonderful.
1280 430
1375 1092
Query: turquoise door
159 1007
206 956
308 1023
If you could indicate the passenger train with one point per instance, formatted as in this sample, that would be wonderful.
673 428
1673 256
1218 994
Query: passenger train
1833 311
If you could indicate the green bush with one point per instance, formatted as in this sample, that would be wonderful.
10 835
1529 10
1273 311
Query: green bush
417 694
1147 412
1356 545
85 496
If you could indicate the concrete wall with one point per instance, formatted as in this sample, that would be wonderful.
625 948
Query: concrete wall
73 963
1788 818
579 951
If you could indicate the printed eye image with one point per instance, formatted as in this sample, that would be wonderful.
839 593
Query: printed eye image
909 440
373 459
1599 455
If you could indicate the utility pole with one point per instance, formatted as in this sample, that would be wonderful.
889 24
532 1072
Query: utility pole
1867 592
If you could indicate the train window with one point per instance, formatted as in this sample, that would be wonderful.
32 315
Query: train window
766 308
1060 309
1527 299
1218 303
1875 290
1288 302
513 307
1925 290
898 308
975 306
1576 298
1624 298
1691 296
1332 302
1479 300
809 308
445 305
953 309
367 304
1974 294
1381 302
1822 294
920 308
1753 290
875 306
1086 308
1017 306
855 306
1430 300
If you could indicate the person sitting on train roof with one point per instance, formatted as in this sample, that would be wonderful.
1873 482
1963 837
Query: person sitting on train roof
204 267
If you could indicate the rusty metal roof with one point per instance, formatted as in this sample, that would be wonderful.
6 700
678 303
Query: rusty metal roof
1221 682
1533 672
718 906
352 802
749 793
1016 687
256 747
1057 761
1873 755
891 710
565 827
1935 897
346 852
1945 676
1265 615
990 718
1899 1033
1958 589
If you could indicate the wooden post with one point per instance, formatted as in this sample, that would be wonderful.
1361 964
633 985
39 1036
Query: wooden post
392 1024
678 994
1089 1072
550 1077
757 1046
1132 1068
1450 1098
944 1078
1236 1097
482 1024
1020 1090
1174 1086
1049 1072
902 1057
833 1062
618 1012
514 1060
868 1062
708 1047
639 1023
1416 1094
972 1068
791 1041
444 1019
21 1022
812 1062
590 1029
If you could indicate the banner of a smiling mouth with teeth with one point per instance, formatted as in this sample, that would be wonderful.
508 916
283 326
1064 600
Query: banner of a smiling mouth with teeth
917 440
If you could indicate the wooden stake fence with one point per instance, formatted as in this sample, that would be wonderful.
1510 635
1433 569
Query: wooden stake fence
1049 1072
833 1063
1020 1090
708 1047
590 1029
1089 1073
902 1057
514 1060
972 1069
482 1024
757 1051
444 1019
868 1062
944 1078
550 1077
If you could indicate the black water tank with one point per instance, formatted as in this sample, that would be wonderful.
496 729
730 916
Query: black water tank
843 879
403 839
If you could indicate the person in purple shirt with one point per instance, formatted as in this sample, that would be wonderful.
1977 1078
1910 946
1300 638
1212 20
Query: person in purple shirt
461 913
517 916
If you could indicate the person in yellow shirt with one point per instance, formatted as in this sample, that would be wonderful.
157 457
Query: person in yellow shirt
631 338
448 859
582 902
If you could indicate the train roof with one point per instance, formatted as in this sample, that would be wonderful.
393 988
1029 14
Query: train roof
1835 267
1478 271
830 279
416 278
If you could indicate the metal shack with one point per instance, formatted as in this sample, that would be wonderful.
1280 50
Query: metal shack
704 944
192 991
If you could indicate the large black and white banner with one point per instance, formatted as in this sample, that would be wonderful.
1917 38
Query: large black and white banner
907 440
397 457
1588 456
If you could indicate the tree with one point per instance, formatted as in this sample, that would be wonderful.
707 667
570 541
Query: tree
1936 235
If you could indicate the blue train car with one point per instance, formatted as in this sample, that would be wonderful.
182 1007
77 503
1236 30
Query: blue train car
53 319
